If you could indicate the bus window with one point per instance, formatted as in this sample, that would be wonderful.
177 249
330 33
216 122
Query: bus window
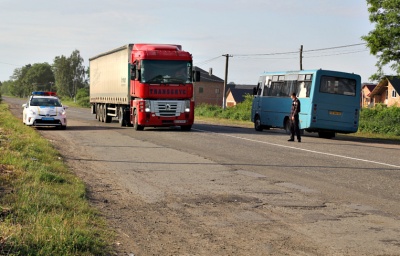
338 85
304 85
267 87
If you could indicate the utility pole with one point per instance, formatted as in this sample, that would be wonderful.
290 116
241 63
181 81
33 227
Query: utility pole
301 57
226 80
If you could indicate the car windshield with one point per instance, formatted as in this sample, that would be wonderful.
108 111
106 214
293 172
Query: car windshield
46 102
166 71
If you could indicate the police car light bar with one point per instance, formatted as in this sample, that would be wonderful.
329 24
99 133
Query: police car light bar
39 93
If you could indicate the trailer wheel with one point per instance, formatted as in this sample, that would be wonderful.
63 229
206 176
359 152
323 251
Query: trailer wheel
99 112
136 126
103 113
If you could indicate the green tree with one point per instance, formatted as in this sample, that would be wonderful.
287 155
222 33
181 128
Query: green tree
20 88
39 77
5 87
69 74
384 40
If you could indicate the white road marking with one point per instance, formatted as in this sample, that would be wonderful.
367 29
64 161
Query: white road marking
302 149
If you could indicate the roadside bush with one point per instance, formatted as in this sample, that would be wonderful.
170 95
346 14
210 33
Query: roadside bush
241 111
381 119
82 97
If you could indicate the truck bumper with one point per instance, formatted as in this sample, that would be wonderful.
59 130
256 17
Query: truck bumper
150 119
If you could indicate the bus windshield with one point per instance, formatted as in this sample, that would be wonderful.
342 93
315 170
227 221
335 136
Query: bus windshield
166 71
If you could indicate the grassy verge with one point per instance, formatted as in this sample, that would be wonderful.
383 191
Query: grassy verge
43 205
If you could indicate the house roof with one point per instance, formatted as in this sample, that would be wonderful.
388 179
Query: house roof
239 91
206 77
395 82
370 87
382 85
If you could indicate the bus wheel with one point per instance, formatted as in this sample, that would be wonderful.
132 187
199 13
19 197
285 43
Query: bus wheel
287 126
136 126
326 135
257 124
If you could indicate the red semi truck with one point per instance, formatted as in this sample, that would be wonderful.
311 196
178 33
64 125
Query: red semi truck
143 85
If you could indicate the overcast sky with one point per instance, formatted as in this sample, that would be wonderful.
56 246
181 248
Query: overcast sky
252 31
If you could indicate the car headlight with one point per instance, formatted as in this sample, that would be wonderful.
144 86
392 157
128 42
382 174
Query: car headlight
32 112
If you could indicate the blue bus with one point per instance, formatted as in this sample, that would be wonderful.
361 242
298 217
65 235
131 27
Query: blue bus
330 101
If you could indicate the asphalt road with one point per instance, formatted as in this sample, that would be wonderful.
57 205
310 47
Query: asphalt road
327 196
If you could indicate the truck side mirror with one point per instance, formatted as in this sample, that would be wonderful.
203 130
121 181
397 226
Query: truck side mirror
133 72
137 74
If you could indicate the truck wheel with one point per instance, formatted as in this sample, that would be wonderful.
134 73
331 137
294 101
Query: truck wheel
186 127
257 124
121 117
136 126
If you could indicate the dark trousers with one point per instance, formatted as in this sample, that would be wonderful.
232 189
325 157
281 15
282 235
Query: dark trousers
294 128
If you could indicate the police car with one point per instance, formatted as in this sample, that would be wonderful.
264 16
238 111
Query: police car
44 109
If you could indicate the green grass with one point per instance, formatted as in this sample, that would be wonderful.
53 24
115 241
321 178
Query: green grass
43 205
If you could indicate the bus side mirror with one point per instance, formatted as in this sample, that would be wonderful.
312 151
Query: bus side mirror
196 76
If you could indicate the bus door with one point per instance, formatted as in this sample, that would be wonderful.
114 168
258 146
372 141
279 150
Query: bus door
337 105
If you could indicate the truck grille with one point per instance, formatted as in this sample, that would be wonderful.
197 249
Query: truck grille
168 108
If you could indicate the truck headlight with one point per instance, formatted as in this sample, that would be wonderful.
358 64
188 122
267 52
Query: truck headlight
187 106
147 106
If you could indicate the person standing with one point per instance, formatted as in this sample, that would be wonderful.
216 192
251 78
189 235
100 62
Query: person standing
294 118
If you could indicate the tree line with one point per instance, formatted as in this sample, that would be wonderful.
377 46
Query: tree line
66 76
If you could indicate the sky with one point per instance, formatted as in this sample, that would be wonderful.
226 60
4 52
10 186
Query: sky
259 35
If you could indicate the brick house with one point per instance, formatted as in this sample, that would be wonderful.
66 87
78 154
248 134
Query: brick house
236 93
209 89
387 92
366 90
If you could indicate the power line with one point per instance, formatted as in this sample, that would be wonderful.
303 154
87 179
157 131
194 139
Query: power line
296 52
296 57
336 47
335 54
209 60
10 64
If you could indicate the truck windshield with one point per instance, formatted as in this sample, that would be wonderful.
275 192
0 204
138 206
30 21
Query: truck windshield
166 71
